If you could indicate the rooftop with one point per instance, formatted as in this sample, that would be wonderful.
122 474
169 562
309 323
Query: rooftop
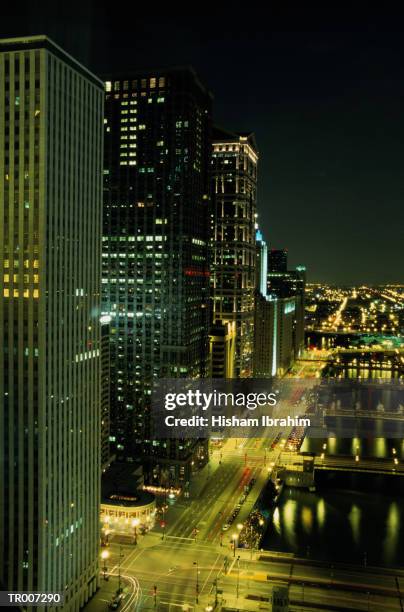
27 43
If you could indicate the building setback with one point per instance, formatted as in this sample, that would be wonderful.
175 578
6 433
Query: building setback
51 111
155 254
233 247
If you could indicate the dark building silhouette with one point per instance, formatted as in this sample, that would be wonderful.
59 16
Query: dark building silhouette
277 260
155 253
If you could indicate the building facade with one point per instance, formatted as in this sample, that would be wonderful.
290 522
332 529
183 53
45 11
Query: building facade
222 340
275 329
106 455
261 263
155 253
234 201
278 260
51 111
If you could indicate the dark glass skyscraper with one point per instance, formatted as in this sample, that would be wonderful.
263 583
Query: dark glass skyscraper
155 251
277 260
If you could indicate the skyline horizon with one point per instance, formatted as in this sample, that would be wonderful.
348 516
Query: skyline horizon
323 104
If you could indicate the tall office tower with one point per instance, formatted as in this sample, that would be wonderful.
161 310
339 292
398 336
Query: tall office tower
106 455
275 329
300 309
155 248
261 264
234 195
51 113
291 284
278 260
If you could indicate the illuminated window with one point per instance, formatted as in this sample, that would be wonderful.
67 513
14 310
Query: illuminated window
152 82
108 86
116 86
162 82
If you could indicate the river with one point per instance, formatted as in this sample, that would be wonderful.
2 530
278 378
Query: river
351 517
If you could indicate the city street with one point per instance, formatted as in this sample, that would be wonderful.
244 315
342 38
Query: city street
191 562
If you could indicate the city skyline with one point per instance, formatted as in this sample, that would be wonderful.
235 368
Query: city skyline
165 233
323 104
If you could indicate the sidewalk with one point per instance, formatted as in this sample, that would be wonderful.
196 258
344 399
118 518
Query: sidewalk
104 595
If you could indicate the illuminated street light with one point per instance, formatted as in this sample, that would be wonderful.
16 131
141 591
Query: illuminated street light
104 557
238 576
240 526
234 538
135 525
197 582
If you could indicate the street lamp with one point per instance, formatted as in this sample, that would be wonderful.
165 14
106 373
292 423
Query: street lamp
234 538
135 525
121 556
104 557
238 575
197 582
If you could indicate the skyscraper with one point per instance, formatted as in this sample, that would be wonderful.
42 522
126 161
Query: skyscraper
278 260
155 252
51 111
261 264
234 201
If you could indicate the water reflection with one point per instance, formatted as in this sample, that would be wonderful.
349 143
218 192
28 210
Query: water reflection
321 513
341 523
392 525
355 520
382 448
289 522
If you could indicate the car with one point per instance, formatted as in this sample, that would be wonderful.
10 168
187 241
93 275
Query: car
114 605
225 527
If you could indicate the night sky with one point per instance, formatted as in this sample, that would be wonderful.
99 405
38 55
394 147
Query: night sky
324 95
